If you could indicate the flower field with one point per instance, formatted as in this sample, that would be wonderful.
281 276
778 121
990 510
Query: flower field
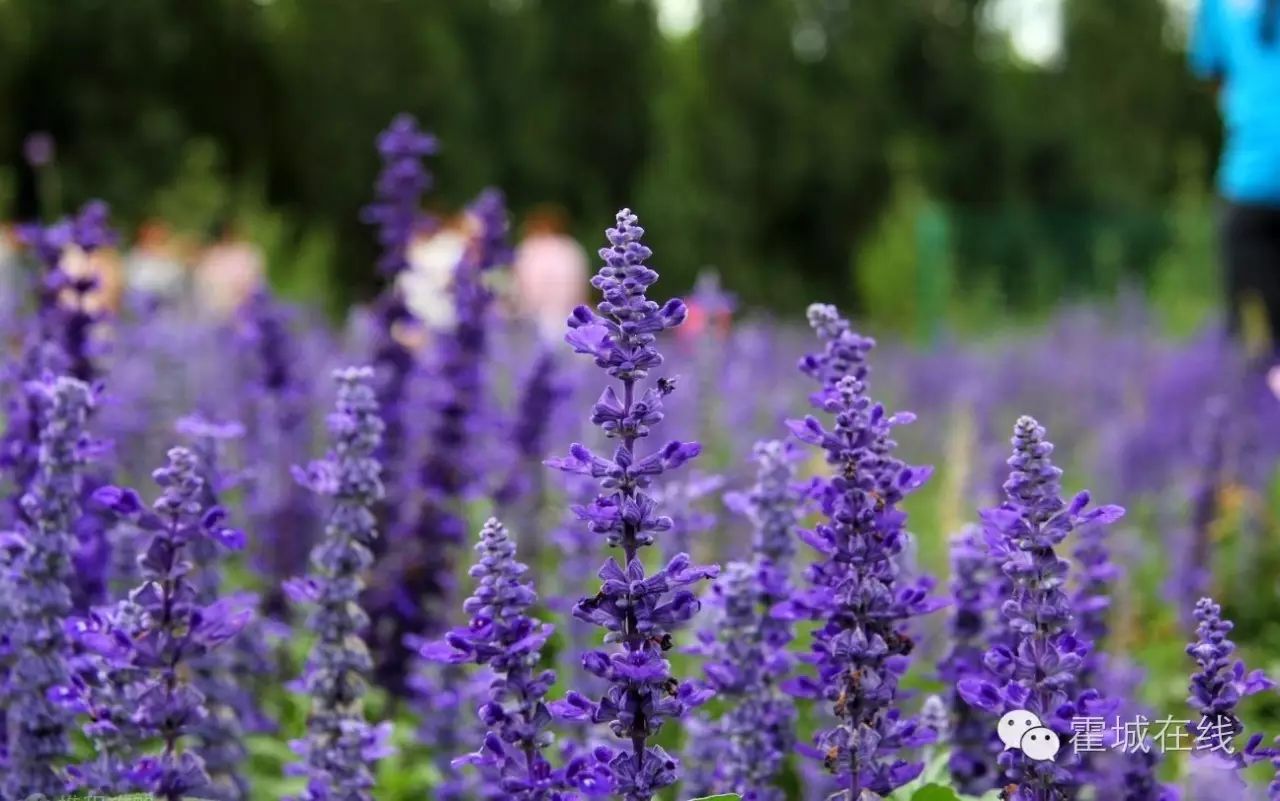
267 556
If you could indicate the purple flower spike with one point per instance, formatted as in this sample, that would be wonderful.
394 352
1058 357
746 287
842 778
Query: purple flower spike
336 751
856 594
35 599
1038 665
639 612
149 652
504 637
1219 685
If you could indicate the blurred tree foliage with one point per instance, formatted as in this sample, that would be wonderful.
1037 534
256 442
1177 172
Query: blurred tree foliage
759 143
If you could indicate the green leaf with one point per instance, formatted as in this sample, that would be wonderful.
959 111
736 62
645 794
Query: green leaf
935 792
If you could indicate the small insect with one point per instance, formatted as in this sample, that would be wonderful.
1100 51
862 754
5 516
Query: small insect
672 686
829 762
666 385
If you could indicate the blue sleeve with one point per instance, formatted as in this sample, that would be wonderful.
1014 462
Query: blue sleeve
1208 48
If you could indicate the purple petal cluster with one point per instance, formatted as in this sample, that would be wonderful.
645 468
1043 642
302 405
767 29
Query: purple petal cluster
746 645
164 629
638 611
277 420
744 666
35 592
397 215
1039 670
340 745
503 636
411 599
856 593
972 762
1219 683
223 675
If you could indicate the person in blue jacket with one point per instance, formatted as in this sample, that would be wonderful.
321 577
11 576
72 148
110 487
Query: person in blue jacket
1236 45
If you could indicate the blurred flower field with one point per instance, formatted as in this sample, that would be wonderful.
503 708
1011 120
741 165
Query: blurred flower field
680 549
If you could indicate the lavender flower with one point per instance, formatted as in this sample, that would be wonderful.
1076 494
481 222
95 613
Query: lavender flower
340 745
744 665
971 762
1092 599
746 645
1219 684
278 423
224 675
1040 671
164 629
396 213
411 602
36 595
863 605
639 612
504 637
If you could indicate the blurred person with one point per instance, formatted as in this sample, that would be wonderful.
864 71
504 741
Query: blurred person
104 266
153 266
550 270
433 258
10 275
1236 45
228 273
710 309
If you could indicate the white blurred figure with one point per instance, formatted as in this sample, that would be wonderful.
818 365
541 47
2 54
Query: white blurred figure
153 267
227 274
550 270
433 258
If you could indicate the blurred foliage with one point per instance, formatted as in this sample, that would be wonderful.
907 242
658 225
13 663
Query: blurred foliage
761 142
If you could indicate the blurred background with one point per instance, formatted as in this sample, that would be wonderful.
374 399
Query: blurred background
923 162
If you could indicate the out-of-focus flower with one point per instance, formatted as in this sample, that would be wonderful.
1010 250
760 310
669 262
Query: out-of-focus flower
340 745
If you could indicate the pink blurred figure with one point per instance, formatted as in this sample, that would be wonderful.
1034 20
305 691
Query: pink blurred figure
227 274
550 269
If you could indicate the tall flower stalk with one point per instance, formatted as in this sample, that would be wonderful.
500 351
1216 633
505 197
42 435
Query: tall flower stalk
396 213
746 645
1039 670
503 636
340 745
1217 687
862 604
413 598
36 594
638 611
972 761
164 629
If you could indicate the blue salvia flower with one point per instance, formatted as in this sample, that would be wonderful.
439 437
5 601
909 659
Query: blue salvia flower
170 629
755 735
277 420
412 600
747 648
224 675
397 215
503 636
862 604
1218 686
36 596
1092 599
104 689
340 745
972 761
1039 671
638 611
62 339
